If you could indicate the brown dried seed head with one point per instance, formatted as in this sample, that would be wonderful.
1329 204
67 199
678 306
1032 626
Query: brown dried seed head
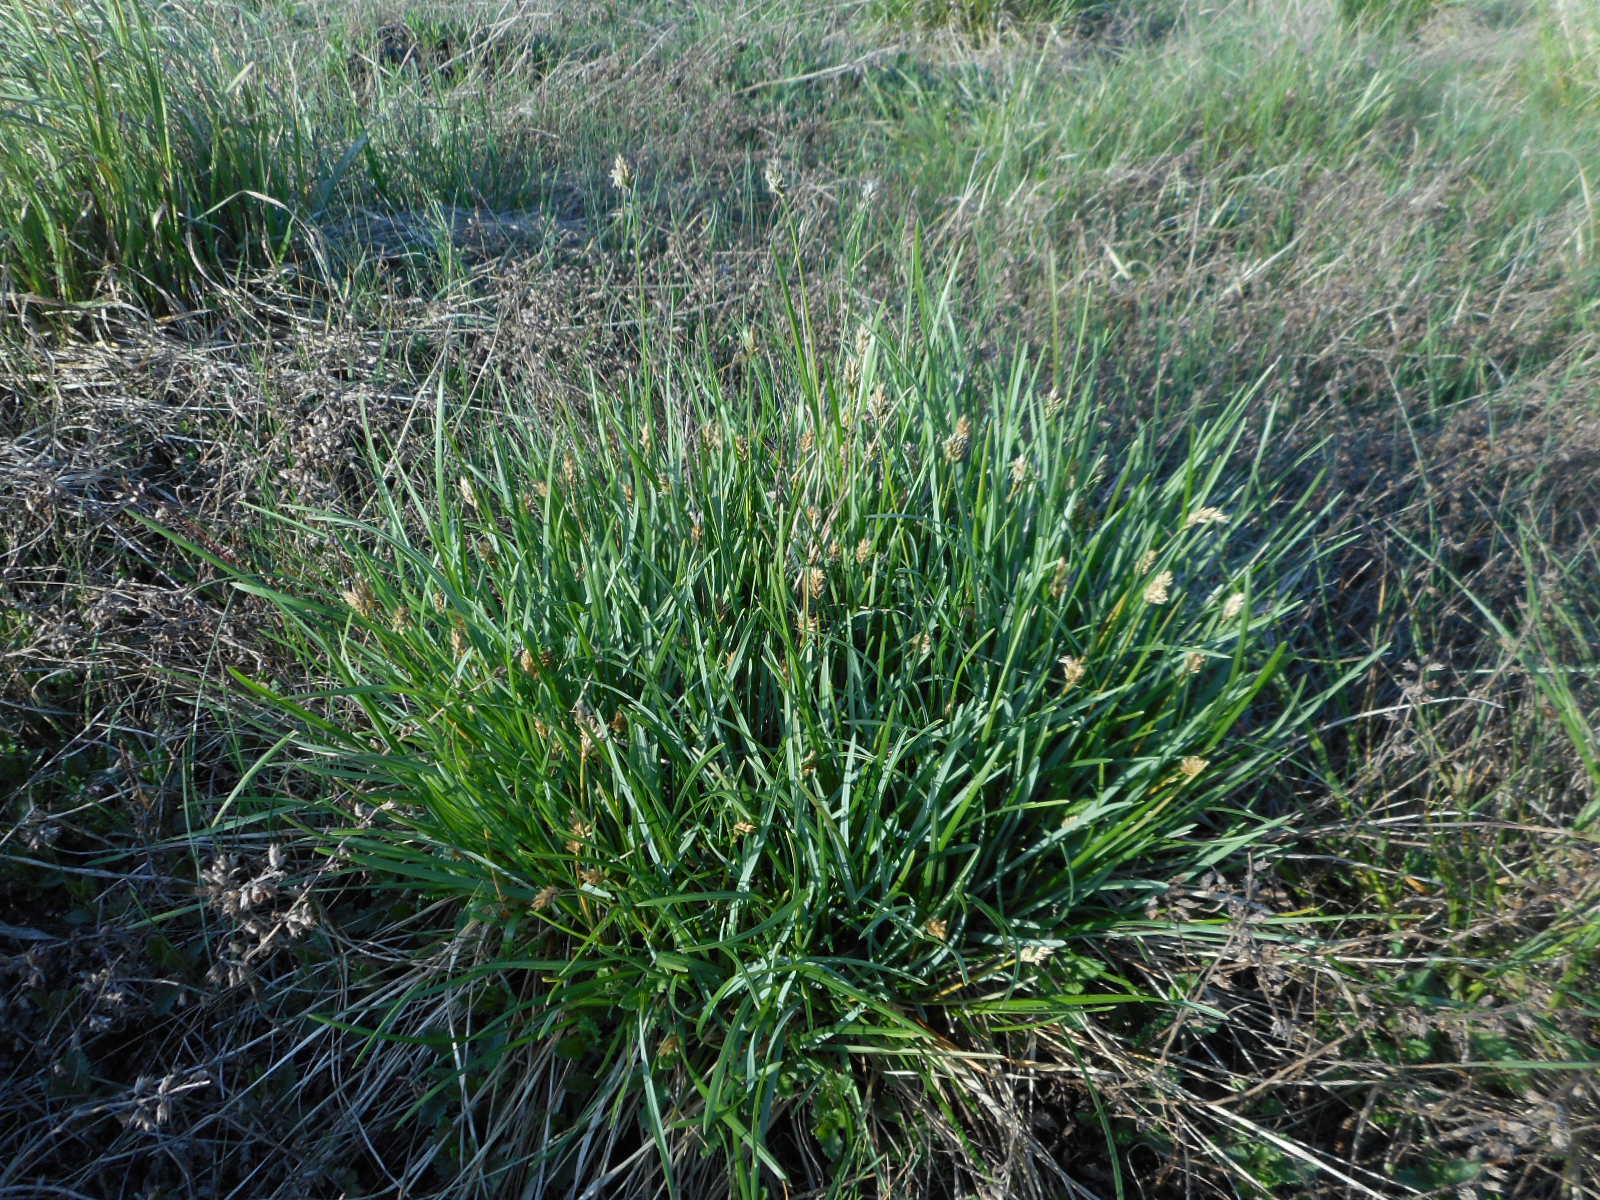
1021 470
863 551
1159 590
744 828
1072 669
360 599
878 403
1194 662
545 896
1147 561
939 928
1058 579
1232 606
1192 766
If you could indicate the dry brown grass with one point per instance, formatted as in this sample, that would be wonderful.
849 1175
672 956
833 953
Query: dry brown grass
1441 1017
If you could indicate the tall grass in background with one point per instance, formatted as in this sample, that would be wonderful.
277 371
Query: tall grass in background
137 146
788 756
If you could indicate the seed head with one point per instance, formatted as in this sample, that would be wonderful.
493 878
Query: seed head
621 174
1072 669
1058 580
1158 592
938 928
545 896
1232 606
469 494
744 828
360 598
1206 516
959 442
813 582
1147 562
863 339
878 403
458 640
1193 662
863 551
1192 766
1034 955
772 175
1021 471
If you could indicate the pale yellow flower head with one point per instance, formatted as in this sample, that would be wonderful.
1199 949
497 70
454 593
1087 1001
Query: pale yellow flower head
1206 516
621 174
959 442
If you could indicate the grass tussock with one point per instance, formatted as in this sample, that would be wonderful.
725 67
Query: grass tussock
804 741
